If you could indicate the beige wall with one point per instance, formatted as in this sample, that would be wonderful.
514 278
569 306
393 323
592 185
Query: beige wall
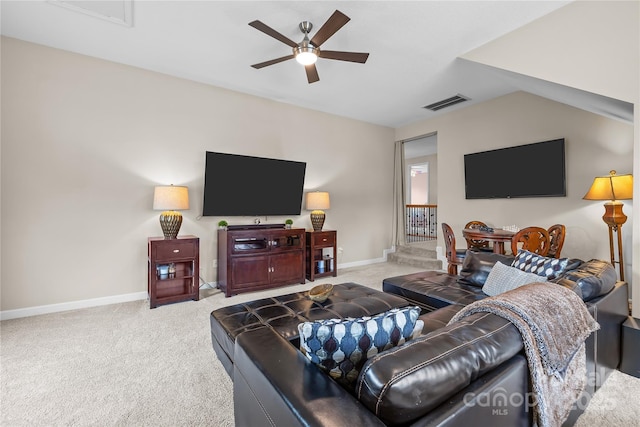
594 145
589 45
84 141
432 180
592 46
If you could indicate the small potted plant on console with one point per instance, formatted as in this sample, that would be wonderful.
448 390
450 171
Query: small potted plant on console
222 224
288 223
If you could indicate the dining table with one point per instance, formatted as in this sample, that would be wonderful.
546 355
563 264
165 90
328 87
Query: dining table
496 236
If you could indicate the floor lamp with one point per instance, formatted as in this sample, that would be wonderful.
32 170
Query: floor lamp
613 188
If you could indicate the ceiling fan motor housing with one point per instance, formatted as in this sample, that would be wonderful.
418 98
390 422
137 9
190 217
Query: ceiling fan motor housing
306 53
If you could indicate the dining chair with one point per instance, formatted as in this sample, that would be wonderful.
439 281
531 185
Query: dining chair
455 257
533 239
477 244
556 235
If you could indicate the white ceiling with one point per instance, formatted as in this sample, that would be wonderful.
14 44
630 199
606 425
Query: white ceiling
413 48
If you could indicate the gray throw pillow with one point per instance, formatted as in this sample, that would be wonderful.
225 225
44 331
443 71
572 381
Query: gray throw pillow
503 278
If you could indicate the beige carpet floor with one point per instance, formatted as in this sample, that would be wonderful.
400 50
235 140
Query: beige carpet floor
127 365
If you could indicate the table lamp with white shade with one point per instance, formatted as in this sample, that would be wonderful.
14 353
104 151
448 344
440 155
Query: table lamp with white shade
317 201
170 199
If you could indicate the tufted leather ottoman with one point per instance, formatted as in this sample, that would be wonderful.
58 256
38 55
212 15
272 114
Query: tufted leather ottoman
284 313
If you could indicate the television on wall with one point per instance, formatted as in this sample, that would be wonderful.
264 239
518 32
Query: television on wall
531 170
238 185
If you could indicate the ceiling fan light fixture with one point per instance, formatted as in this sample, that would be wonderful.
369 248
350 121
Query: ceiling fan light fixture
306 55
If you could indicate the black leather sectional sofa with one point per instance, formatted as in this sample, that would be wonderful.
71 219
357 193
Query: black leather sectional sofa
473 372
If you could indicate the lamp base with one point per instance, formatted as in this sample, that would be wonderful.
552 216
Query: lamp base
170 221
614 218
613 214
317 220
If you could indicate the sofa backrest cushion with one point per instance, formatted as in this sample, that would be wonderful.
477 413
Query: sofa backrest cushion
477 265
406 382
340 347
590 279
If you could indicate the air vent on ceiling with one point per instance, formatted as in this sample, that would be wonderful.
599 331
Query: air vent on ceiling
446 103
116 11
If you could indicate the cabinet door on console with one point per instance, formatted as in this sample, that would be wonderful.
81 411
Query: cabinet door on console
286 267
250 271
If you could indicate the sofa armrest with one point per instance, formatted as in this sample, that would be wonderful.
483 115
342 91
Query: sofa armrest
405 383
274 384
590 280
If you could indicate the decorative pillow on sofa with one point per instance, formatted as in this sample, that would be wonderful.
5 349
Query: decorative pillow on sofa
477 265
540 265
341 347
503 278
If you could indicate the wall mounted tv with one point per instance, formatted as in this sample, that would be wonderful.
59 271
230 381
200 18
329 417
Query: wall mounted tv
531 170
236 185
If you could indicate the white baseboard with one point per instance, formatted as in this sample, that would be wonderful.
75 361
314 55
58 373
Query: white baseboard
442 257
115 299
65 306
361 263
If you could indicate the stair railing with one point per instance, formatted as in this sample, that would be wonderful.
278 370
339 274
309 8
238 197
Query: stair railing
421 222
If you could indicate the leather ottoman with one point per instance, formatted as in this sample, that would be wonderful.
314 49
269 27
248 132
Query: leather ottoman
284 313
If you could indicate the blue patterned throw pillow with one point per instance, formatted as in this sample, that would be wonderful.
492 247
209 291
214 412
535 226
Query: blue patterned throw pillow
341 347
540 265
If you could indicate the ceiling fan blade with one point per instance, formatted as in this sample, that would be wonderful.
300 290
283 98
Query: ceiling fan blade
344 56
273 33
312 73
333 24
271 62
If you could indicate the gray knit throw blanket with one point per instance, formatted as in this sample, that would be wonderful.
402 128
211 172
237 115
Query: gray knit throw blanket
554 323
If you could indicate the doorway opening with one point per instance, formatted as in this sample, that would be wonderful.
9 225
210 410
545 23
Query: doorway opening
421 197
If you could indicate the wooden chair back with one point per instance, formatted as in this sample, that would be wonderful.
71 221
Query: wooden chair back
477 244
454 259
556 234
533 239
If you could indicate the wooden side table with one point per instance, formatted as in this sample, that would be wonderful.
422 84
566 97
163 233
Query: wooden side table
321 258
173 270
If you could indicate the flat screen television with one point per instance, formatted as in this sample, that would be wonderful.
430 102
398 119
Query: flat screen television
531 170
237 185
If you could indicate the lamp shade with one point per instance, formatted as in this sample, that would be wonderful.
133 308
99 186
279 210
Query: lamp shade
170 198
318 200
612 187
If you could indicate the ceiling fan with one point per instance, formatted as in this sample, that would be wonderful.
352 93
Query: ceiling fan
308 51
